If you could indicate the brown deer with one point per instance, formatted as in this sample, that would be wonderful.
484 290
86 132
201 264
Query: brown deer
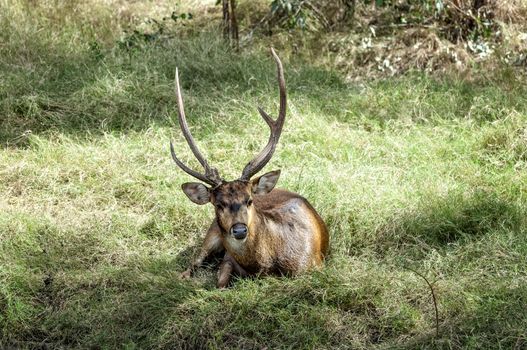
259 229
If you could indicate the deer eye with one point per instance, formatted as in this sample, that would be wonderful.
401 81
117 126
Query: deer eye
249 202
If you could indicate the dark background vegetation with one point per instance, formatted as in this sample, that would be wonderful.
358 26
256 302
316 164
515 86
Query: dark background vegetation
406 129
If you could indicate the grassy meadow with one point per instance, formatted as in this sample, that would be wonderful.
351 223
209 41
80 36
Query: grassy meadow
410 173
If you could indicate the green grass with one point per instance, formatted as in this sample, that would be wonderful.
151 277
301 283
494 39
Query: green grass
410 172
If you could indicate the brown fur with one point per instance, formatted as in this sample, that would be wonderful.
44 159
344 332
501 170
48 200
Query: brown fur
286 235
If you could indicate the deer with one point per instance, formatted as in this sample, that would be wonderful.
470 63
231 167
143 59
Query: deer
259 229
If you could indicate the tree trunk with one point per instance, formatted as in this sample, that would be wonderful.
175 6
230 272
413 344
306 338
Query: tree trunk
226 19
230 25
234 26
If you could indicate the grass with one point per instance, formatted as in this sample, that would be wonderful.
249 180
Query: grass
410 172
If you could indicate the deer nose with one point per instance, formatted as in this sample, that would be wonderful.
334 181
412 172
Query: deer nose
239 231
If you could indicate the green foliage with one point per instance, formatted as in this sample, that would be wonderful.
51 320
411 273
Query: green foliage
412 171
455 21
293 10
161 31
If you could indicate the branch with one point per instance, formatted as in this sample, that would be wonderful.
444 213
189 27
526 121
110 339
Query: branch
433 296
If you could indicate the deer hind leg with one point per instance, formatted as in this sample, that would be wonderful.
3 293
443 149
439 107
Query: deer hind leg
227 267
212 244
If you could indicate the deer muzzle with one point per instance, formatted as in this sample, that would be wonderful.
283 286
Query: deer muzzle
239 231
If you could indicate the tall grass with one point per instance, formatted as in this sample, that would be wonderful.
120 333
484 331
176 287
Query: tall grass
410 172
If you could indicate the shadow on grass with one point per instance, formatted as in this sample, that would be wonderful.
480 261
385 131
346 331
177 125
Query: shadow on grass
439 223
446 220
78 289
96 91
111 307
497 321
122 90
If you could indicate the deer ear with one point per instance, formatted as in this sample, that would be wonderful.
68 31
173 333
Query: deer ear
196 192
265 183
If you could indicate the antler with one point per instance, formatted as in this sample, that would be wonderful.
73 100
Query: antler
211 175
265 155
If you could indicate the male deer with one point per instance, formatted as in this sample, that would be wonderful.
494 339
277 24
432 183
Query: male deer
259 229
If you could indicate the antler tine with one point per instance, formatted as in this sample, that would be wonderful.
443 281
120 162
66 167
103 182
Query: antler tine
184 126
211 175
265 155
188 170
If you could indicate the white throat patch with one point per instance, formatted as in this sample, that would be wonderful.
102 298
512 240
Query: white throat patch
236 245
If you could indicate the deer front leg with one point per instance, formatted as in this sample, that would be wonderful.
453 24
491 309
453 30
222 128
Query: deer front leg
227 266
212 244
224 273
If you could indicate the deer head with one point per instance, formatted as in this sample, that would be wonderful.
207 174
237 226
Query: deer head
233 200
